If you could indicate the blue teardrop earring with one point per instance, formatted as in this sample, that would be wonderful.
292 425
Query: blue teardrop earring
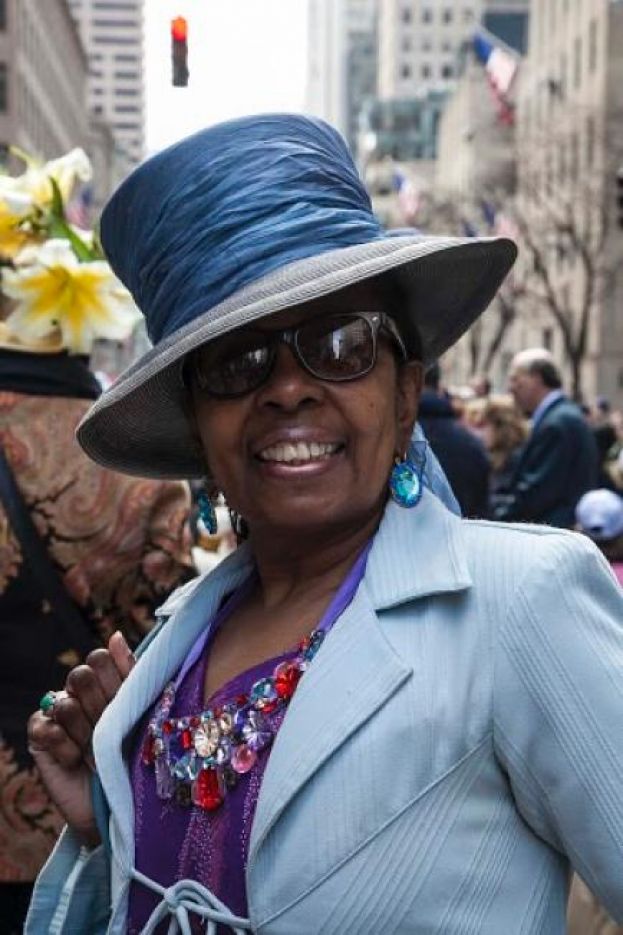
405 482
206 511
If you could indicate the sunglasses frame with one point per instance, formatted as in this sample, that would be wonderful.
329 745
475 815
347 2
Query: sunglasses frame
376 321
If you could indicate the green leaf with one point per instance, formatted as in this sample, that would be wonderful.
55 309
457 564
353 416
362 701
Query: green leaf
57 208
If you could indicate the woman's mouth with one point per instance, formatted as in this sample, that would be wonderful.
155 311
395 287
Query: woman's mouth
299 453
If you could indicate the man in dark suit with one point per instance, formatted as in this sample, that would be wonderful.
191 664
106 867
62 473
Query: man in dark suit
559 462
462 456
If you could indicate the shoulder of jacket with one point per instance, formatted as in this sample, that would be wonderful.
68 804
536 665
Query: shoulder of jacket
527 544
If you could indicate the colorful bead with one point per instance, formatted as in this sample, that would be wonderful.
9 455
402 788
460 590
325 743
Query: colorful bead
207 791
243 759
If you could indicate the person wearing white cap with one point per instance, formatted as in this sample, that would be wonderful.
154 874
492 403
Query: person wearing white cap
599 514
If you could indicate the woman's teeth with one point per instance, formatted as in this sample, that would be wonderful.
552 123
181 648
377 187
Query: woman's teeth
301 451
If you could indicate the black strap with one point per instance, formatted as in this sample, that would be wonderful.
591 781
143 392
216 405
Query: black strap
46 576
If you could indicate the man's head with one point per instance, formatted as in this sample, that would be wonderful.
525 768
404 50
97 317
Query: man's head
533 374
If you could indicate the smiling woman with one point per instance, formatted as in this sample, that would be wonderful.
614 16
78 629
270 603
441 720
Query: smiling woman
374 716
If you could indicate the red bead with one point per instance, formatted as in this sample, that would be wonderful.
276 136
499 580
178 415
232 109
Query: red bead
167 727
267 707
241 700
195 721
186 739
207 792
287 678
217 712
147 753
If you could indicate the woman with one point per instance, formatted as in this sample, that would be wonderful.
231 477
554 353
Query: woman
499 424
373 716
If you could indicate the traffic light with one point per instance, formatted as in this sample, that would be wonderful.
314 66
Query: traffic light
179 51
620 197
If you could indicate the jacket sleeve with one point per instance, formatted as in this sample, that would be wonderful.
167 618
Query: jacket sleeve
536 486
72 892
558 708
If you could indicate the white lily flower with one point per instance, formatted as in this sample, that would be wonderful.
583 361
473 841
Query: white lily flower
55 293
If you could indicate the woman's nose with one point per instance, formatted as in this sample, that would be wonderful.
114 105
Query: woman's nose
289 385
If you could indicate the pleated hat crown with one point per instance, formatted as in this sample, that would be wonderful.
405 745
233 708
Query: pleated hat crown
222 208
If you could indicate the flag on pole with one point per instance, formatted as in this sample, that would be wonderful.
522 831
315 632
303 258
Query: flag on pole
408 195
501 66
78 211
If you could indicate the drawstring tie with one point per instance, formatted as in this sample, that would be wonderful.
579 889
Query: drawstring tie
188 896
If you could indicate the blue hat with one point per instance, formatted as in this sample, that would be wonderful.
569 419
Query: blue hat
236 223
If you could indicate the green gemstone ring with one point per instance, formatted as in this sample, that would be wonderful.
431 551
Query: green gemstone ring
47 703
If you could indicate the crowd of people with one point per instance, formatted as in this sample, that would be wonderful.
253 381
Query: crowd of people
531 454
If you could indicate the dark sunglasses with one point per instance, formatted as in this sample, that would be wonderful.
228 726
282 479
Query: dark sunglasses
333 347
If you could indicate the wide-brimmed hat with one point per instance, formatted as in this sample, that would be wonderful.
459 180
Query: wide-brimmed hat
236 223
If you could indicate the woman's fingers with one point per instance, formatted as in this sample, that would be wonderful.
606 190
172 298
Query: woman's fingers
106 672
121 654
83 685
47 737
69 714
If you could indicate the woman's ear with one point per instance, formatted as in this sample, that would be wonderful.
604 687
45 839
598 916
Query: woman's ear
409 389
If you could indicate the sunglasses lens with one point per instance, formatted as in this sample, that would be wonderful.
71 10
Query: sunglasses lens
337 348
232 365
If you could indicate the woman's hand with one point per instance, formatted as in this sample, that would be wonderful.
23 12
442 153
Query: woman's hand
61 743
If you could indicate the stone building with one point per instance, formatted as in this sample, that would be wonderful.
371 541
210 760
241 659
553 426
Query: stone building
342 62
112 34
43 75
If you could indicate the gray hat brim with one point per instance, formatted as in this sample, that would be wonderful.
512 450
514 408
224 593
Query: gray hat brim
140 426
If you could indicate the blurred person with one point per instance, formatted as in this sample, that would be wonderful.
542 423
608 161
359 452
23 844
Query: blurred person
84 551
559 461
461 455
480 385
349 725
599 514
503 431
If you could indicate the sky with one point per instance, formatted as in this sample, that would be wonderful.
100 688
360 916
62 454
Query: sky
244 57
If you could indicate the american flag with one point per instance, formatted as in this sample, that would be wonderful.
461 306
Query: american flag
501 66
78 211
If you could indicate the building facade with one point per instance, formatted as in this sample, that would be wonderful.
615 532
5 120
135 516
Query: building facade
113 36
342 62
570 148
43 75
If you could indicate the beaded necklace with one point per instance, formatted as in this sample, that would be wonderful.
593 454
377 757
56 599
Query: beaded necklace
198 759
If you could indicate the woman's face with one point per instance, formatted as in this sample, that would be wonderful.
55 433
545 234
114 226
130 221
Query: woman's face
359 427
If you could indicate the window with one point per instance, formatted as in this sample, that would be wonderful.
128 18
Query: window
447 71
125 57
405 71
115 40
130 75
406 44
574 157
468 14
426 45
126 92
427 15
548 339
426 71
406 15
592 46
577 62
447 15
2 15
127 109
4 87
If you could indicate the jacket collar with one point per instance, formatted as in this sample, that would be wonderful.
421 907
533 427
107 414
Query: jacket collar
415 553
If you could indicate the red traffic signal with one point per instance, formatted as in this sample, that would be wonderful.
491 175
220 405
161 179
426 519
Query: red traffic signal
179 29
179 51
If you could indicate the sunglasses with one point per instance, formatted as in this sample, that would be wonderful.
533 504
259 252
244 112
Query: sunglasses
333 347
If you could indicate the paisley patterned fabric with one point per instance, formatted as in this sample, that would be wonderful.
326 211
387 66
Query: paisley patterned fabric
120 544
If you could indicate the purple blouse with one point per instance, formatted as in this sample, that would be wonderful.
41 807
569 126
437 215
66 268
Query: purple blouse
176 842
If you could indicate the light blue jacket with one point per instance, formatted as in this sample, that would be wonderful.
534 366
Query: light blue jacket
455 746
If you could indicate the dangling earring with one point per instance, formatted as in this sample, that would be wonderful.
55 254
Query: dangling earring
206 511
405 482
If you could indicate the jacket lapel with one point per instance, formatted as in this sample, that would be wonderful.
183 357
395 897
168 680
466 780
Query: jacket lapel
415 553
190 610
